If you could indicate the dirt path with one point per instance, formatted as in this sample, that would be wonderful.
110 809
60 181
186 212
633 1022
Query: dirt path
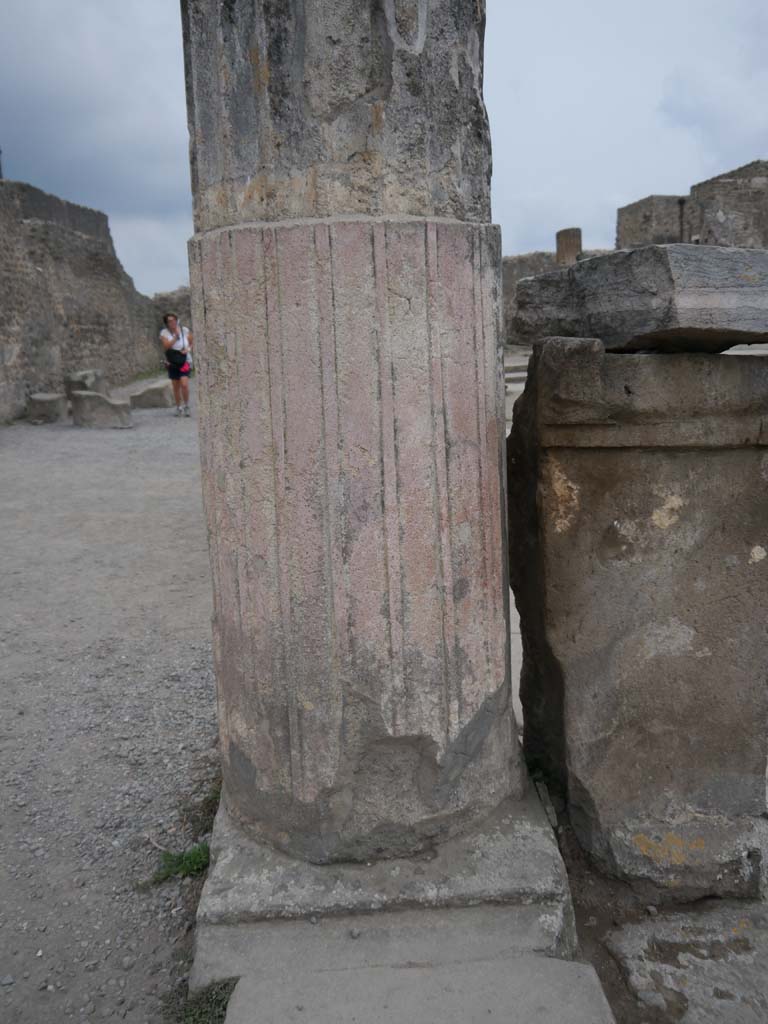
107 717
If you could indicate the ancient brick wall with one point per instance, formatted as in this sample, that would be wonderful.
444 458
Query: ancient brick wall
731 209
65 301
656 220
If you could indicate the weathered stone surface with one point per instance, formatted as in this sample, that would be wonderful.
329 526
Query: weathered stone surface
665 298
65 300
518 990
707 966
500 891
354 492
91 409
85 380
511 859
639 558
336 107
46 408
155 396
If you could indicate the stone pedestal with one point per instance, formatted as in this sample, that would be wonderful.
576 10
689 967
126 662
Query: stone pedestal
639 553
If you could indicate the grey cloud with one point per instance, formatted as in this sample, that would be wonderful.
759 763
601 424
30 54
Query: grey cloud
592 105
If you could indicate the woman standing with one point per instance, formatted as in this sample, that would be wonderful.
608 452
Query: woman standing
177 344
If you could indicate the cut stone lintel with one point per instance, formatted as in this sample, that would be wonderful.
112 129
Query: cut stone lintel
639 559
351 420
661 298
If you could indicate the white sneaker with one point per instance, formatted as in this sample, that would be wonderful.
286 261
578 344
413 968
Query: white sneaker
186 411
179 410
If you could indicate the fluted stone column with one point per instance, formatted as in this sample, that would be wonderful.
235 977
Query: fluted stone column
346 284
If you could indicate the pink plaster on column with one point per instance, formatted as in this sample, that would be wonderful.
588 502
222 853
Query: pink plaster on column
351 422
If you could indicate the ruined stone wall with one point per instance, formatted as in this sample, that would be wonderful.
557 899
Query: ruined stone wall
65 301
656 220
730 210
178 302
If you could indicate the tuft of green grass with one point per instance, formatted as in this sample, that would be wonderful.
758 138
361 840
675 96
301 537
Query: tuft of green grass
193 861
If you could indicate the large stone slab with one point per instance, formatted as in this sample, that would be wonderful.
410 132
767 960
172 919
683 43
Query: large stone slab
524 990
639 559
46 407
663 298
91 409
706 966
511 863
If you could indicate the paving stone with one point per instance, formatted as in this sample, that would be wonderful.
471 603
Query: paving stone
523 990
707 966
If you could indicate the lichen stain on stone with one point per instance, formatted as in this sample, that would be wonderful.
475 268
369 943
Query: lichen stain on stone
667 515
757 554
671 850
566 495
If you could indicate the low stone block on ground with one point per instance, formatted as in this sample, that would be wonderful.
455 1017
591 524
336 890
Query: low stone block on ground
431 907
662 298
518 990
639 558
704 966
91 409
46 407
154 396
86 380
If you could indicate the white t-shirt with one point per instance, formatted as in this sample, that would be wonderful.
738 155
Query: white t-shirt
181 343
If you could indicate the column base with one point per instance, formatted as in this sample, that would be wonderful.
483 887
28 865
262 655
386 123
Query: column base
499 891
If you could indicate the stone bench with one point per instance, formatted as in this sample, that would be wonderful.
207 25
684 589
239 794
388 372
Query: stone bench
155 396
46 407
91 409
85 380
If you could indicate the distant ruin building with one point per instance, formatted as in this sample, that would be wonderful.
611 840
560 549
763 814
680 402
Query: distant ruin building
66 302
731 209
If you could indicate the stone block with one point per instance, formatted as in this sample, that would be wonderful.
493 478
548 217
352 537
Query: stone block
91 409
85 380
155 396
661 298
638 486
46 408
705 966
517 990
512 862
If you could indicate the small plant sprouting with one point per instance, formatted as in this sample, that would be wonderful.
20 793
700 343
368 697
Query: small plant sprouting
193 861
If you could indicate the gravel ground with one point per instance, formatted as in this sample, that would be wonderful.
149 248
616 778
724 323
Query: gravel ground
107 715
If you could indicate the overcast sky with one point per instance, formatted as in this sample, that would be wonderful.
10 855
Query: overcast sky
592 105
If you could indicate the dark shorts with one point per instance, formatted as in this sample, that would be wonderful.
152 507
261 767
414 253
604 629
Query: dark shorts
176 372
